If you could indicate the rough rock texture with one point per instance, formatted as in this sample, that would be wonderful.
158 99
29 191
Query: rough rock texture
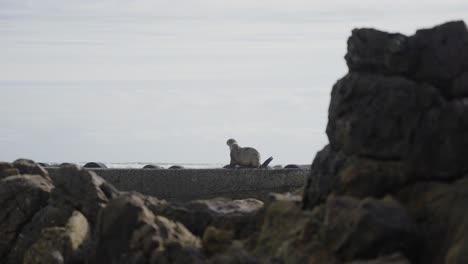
398 127
21 197
66 243
127 232
240 216
83 190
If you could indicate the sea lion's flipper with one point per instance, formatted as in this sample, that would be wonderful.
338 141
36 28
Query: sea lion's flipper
266 162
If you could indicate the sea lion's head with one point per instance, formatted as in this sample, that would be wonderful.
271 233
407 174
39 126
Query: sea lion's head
231 142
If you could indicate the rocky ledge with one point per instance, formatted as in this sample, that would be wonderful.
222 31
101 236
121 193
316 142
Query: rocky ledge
390 188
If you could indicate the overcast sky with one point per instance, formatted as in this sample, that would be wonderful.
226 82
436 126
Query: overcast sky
171 81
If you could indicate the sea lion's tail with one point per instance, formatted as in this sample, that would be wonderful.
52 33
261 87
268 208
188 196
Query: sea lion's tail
266 162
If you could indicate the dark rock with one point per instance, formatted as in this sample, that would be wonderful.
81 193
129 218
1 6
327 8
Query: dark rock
368 228
176 167
440 143
43 164
371 50
95 165
460 86
152 166
436 56
291 235
442 54
396 258
440 212
378 116
362 177
323 176
239 216
82 190
66 164
127 232
292 166
26 166
21 197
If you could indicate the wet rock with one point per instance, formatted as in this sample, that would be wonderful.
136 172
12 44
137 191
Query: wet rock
83 190
21 197
65 243
127 232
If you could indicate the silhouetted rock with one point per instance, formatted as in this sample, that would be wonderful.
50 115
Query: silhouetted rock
99 165
176 167
436 56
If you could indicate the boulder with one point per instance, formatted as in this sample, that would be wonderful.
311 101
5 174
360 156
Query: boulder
82 190
239 216
48 217
21 197
6 169
26 166
128 232
66 243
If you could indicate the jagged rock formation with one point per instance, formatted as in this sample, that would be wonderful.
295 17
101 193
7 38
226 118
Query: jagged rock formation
398 126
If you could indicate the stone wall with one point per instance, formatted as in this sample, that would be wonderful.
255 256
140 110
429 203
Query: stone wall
189 184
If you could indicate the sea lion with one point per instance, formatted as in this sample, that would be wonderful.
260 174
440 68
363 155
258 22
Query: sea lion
245 157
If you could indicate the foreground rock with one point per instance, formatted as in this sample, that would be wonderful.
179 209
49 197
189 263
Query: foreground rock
127 232
398 126
21 197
